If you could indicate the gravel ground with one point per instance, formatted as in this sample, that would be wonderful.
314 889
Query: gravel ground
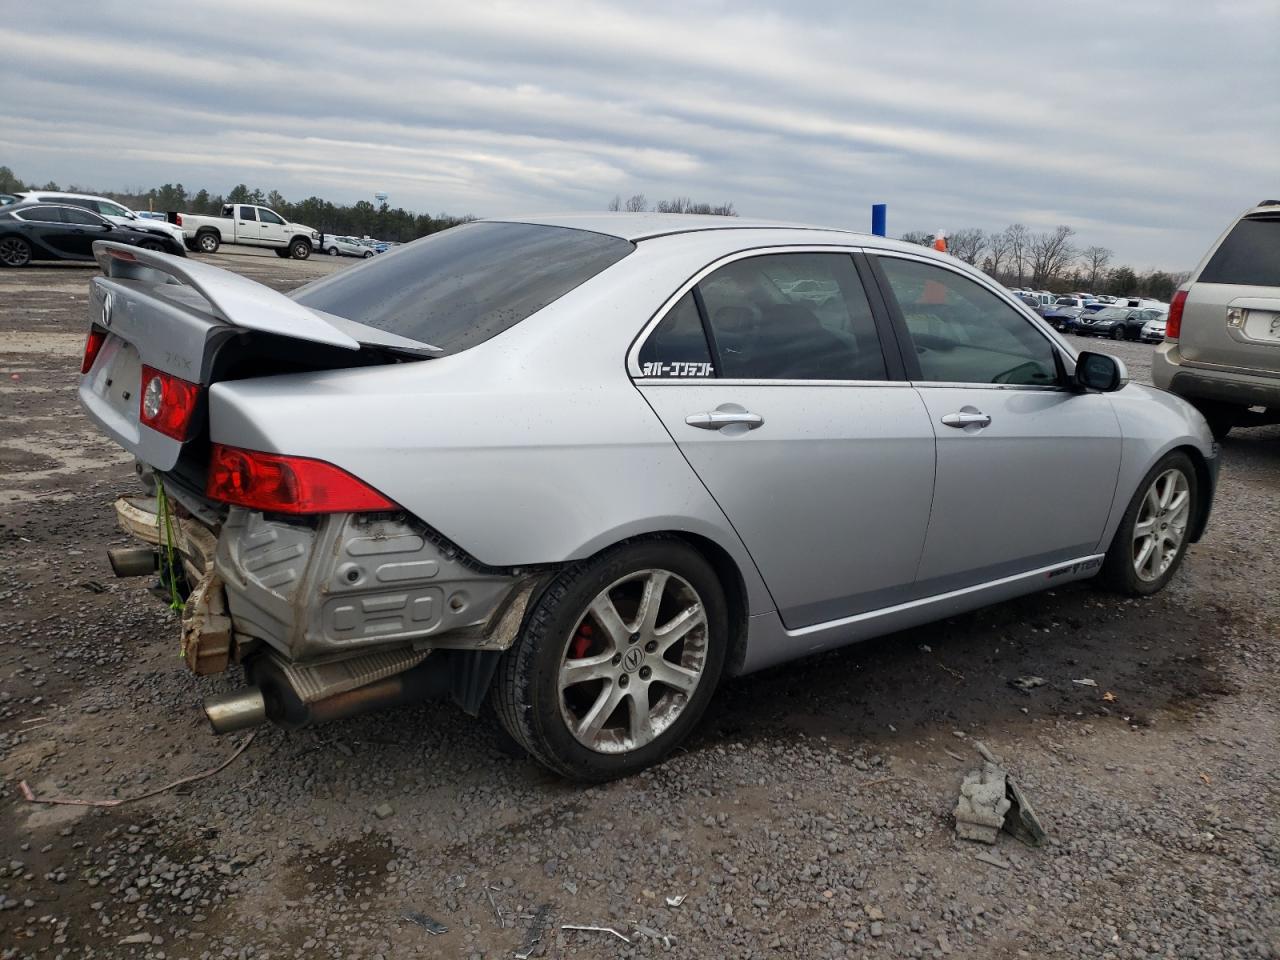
809 817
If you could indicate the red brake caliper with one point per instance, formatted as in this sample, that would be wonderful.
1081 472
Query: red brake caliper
581 642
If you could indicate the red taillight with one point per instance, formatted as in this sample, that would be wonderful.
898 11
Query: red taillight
277 483
177 219
92 345
1173 327
167 403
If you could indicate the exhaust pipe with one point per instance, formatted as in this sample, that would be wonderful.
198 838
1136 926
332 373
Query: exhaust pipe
276 700
240 710
133 561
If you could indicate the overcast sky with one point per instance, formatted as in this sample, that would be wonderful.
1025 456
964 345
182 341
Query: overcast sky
1144 124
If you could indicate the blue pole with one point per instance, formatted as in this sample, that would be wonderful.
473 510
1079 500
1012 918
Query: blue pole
879 216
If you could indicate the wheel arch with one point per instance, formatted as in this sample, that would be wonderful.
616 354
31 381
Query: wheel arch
1205 482
202 231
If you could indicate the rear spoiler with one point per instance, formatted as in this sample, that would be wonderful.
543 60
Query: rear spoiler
235 300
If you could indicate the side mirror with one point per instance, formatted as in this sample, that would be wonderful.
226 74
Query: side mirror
1097 371
107 227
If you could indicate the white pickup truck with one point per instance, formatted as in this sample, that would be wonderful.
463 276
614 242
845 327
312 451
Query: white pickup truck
249 225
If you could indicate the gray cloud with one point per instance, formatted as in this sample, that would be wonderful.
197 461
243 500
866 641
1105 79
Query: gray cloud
1145 125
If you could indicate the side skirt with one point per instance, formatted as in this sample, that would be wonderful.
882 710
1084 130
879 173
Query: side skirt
770 643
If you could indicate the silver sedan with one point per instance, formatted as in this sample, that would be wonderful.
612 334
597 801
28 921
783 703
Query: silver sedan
574 471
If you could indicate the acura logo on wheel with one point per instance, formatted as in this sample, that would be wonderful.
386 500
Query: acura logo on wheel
632 659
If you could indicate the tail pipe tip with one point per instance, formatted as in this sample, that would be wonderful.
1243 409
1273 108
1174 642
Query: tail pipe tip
238 710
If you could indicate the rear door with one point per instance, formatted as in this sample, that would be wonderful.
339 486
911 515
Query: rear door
247 227
771 376
1232 312
83 228
1026 469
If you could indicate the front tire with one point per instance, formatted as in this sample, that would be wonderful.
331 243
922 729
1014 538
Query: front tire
300 249
616 662
1155 530
332 251
14 252
367 254
1118 333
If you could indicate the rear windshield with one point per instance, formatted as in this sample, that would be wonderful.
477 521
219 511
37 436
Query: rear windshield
459 287
1249 255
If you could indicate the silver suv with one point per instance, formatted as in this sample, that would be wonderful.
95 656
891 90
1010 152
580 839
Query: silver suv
1222 342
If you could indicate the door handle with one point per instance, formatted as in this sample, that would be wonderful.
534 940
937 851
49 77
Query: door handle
716 419
966 419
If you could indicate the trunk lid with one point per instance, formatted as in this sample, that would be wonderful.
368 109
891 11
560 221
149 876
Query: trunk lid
201 324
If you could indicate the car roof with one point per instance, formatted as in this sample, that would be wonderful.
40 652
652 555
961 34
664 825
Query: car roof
40 194
644 226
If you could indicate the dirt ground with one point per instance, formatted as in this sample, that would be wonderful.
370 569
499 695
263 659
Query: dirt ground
809 817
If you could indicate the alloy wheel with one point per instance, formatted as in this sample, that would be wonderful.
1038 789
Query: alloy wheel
14 252
1161 525
633 662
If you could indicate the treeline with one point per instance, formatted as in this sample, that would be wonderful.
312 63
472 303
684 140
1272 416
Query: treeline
360 219
1051 260
638 203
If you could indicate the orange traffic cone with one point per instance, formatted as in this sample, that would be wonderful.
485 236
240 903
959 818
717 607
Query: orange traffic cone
940 242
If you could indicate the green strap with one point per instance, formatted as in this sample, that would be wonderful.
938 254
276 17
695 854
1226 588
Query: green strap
164 523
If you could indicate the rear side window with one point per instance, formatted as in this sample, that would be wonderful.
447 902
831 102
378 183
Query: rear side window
1249 255
459 287
248 213
39 214
678 347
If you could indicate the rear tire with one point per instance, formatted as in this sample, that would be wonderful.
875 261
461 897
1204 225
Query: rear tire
14 252
208 242
595 696
1157 522
367 254
332 251
300 249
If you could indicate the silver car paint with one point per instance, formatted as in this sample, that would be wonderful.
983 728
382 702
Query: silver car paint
499 447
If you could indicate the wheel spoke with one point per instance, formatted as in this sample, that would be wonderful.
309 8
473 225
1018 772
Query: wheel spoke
1143 528
1178 503
641 722
1157 555
1144 554
593 721
678 678
585 669
678 627
651 601
606 615
1165 490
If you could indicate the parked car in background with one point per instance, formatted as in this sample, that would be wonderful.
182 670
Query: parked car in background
151 215
1093 306
1031 301
33 230
1153 330
441 496
8 198
345 247
1222 345
106 207
1064 317
1073 301
1112 322
1135 303
250 225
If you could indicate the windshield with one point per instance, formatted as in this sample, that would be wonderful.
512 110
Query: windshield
459 287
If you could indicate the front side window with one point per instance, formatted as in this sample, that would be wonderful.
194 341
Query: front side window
248 213
266 216
81 217
963 333
792 316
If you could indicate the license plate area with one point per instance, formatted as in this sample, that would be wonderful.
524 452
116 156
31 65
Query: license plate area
117 378
1263 325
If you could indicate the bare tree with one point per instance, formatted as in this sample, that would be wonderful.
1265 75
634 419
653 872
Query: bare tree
1096 259
1051 254
637 203
967 244
918 236
615 204
1019 239
997 253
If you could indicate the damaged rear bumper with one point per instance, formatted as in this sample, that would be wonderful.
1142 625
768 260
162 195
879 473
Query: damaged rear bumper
334 615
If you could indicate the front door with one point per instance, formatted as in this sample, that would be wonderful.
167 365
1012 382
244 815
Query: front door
1026 469
271 229
770 376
